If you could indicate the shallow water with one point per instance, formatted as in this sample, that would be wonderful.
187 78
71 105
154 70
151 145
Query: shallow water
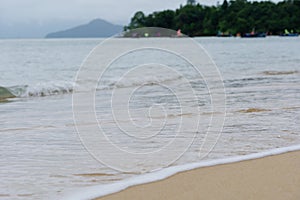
42 156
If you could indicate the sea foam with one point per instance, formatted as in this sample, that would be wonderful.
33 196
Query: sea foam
103 190
40 89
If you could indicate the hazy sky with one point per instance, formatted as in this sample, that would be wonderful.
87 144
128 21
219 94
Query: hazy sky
43 11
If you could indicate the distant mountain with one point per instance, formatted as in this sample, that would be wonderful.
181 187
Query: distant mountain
96 28
34 28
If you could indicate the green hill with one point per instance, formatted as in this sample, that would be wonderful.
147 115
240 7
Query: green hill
96 28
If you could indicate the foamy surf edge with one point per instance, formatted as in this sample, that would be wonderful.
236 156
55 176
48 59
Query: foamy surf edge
103 190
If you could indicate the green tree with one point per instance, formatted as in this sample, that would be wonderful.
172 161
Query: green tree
224 5
138 20
164 19
191 2
232 16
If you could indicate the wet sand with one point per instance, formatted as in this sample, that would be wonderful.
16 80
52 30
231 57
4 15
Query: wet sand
269 178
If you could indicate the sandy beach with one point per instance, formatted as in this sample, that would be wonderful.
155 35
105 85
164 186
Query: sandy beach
273 177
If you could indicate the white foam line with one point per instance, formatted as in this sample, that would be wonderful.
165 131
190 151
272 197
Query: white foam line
103 190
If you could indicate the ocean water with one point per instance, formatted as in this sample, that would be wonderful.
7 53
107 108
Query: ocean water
42 156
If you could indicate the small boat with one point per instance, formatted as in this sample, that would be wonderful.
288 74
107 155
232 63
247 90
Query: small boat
289 34
254 35
222 34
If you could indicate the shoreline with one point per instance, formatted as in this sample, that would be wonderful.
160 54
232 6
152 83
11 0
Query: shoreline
273 177
280 166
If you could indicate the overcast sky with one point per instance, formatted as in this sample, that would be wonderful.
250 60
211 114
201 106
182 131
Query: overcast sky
120 12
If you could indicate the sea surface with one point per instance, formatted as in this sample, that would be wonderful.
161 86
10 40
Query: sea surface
42 155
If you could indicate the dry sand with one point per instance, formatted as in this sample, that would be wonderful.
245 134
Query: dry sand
269 178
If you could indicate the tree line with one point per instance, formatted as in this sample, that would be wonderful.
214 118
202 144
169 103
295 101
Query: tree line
231 17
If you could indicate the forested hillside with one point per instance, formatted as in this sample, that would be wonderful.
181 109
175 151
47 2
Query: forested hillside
234 16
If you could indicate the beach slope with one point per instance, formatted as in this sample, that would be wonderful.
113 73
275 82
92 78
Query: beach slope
272 177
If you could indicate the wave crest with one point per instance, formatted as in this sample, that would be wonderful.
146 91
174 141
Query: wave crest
5 93
137 81
38 90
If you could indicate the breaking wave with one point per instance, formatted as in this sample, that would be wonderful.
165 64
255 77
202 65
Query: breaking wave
38 90
136 81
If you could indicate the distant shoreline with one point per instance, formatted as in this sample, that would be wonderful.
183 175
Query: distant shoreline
92 38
